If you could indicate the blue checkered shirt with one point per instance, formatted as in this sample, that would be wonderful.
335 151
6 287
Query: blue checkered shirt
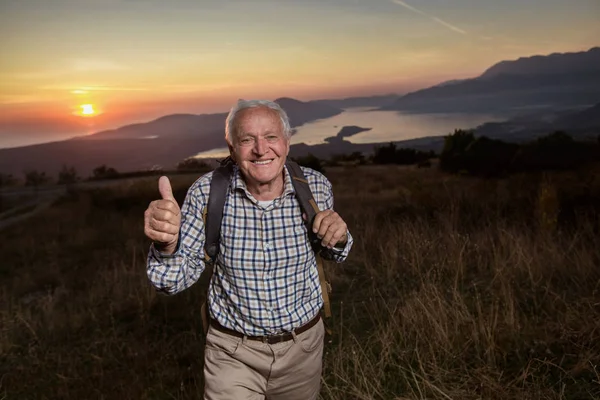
265 279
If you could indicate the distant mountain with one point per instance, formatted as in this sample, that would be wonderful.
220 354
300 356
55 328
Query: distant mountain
365 101
450 82
166 126
556 80
580 124
164 141
182 125
552 64
301 112
588 118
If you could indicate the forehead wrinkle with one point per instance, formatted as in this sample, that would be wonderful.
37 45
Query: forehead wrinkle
258 112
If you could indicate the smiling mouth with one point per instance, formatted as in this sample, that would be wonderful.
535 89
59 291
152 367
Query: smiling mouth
262 162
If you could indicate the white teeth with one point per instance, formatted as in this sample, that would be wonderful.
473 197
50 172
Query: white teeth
262 162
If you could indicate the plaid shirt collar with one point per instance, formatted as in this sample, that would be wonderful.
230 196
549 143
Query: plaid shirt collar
238 183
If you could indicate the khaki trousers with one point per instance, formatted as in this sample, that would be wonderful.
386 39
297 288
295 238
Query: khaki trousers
238 368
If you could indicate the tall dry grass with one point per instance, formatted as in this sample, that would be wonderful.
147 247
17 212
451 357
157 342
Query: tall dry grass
456 288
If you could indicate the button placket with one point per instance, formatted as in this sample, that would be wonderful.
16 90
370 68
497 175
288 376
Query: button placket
267 273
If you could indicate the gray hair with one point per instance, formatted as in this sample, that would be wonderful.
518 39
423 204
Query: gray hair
230 128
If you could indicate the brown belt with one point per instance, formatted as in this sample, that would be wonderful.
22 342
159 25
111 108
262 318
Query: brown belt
271 339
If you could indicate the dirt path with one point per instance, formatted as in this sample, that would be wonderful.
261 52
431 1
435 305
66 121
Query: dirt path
31 201
37 203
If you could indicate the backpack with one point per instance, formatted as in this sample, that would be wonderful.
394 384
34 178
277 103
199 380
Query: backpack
213 215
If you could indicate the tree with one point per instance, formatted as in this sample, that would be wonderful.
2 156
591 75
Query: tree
489 157
35 178
354 158
104 172
557 150
193 164
385 154
67 175
389 154
310 161
453 157
7 180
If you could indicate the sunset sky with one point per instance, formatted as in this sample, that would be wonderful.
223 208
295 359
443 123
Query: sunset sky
134 60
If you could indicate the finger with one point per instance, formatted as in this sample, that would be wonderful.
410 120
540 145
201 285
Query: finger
327 222
168 205
165 215
319 220
327 237
333 232
164 226
338 237
164 187
156 235
159 237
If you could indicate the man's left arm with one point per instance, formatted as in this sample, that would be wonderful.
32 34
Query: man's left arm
332 229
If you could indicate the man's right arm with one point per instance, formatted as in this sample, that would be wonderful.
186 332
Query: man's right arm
171 273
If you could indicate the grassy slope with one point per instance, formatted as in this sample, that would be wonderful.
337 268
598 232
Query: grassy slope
456 288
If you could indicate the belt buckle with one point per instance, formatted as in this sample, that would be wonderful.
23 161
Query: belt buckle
268 338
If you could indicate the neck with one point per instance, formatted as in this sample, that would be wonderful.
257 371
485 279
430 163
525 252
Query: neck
267 191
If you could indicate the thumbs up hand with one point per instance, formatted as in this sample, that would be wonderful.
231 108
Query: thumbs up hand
162 219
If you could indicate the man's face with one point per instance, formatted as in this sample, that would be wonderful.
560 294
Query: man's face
260 147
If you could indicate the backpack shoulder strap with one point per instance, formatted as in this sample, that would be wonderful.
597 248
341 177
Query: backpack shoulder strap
310 208
307 202
213 212
212 216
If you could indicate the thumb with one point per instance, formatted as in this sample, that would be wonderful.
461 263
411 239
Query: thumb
164 187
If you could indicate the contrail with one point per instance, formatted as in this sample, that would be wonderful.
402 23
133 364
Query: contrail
447 25
432 17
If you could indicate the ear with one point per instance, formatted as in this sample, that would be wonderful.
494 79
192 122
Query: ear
287 147
231 151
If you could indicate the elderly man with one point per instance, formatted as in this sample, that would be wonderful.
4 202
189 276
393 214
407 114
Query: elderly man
265 282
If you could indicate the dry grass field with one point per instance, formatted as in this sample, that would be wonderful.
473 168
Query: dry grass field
456 288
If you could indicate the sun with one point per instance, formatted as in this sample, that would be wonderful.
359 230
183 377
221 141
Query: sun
87 110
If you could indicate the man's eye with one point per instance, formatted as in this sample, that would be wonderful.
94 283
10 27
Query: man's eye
246 141
272 138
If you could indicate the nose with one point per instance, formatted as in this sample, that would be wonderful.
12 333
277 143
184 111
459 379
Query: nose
260 147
